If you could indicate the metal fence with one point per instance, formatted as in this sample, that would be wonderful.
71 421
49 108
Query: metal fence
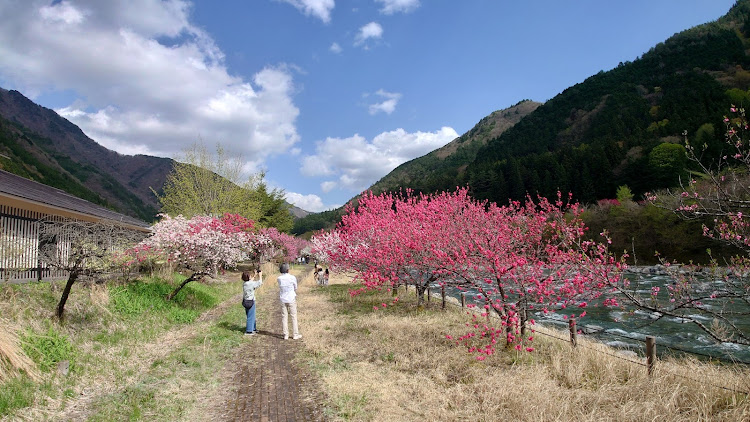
19 246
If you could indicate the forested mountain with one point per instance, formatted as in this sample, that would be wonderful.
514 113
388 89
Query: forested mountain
42 146
624 126
36 143
442 167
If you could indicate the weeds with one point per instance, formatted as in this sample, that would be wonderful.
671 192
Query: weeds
48 349
125 336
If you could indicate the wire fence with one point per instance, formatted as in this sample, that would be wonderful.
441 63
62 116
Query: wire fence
649 352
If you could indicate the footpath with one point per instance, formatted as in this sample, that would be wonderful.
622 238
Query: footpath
268 384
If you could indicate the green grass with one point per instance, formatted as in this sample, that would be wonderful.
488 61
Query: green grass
134 299
106 327
16 393
49 348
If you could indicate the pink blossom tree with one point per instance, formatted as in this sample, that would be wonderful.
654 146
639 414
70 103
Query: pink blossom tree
516 258
282 246
201 245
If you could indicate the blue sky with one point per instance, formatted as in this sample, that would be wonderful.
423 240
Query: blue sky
326 96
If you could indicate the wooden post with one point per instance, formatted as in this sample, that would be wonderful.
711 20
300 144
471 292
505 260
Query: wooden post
442 294
573 332
650 354
429 293
463 299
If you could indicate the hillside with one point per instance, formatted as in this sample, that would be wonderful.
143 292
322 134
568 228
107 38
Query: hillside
619 127
616 127
49 149
438 168
445 165
36 143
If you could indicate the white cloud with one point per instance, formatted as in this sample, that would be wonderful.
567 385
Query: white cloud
388 105
312 203
372 30
319 8
394 6
335 48
328 186
357 163
147 80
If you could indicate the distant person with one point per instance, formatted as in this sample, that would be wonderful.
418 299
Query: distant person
288 297
321 277
326 277
248 299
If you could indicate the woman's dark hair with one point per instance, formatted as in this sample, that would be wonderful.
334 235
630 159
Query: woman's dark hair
246 276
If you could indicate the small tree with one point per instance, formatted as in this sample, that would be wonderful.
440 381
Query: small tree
720 190
81 248
202 183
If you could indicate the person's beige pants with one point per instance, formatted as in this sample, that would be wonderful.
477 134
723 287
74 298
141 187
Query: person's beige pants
288 309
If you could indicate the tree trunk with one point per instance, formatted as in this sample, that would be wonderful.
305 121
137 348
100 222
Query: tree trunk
421 288
193 277
72 277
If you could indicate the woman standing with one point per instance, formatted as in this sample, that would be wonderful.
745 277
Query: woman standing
248 299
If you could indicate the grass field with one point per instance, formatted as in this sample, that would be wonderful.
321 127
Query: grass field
124 353
395 364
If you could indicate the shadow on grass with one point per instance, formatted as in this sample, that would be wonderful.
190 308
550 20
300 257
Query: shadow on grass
231 326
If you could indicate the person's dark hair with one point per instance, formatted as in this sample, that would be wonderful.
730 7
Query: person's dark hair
246 276
284 268
326 270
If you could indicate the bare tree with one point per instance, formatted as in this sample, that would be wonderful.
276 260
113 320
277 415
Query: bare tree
81 248
718 192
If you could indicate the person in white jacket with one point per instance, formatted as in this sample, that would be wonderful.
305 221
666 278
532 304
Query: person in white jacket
288 297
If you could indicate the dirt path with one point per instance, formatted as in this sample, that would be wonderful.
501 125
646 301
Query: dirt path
78 409
267 384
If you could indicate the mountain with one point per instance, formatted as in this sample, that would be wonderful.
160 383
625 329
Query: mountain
624 126
36 143
47 148
445 165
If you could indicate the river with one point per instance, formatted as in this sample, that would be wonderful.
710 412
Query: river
627 327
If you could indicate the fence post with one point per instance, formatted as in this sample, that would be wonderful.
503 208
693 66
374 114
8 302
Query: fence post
463 299
650 354
442 294
573 331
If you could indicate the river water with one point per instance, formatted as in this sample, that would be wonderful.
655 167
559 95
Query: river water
627 328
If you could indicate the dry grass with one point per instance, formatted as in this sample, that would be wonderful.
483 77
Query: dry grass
13 361
395 364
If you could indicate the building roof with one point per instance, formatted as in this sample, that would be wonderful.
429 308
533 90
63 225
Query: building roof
18 187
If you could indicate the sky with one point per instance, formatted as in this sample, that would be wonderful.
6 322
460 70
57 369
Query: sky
325 96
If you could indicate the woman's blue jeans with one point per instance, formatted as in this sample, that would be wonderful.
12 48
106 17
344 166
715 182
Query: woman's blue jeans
251 323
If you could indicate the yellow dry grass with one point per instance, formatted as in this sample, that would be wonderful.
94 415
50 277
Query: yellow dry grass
13 360
396 365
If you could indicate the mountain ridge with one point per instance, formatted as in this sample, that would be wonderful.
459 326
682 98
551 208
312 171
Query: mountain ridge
41 145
